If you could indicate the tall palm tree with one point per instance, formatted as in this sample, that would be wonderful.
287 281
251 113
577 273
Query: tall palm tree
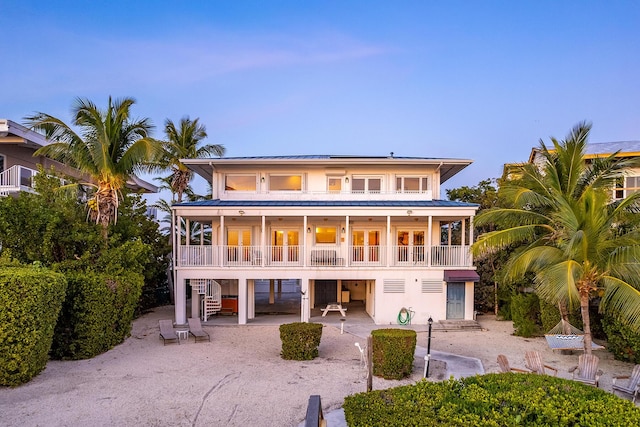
578 243
182 143
109 147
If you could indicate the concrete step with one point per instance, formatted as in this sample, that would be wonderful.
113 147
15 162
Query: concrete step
458 325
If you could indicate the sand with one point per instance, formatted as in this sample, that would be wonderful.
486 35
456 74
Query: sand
238 379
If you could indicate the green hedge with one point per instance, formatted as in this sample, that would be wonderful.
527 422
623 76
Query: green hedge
491 400
622 341
525 312
300 340
393 351
96 314
30 300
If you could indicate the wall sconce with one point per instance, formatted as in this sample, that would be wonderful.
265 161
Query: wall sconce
241 213
346 180
308 229
409 212
262 179
343 230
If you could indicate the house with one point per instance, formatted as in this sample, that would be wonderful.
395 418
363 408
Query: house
18 166
622 149
349 231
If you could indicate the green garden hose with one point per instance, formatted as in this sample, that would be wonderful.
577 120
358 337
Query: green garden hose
404 316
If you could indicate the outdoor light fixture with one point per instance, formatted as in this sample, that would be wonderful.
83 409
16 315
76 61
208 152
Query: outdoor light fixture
346 180
262 179
308 229
342 230
241 213
409 212
427 358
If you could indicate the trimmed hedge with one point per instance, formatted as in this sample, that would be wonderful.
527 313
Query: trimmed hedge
491 400
30 300
300 340
622 340
393 352
97 313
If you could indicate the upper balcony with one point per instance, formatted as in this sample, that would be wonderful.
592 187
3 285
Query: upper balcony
16 179
338 256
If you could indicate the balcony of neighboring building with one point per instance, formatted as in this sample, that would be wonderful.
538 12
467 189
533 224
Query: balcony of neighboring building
16 179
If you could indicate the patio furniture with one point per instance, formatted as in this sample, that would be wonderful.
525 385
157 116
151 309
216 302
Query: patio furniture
334 306
587 370
503 363
166 331
183 334
565 336
533 362
630 386
195 329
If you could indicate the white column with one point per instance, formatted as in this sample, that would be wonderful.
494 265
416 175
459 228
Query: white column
263 240
305 241
187 232
305 308
180 300
242 300
221 236
389 243
346 240
429 245
195 303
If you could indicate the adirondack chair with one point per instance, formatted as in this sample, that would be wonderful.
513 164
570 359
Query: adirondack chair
533 362
631 386
587 370
503 363
166 331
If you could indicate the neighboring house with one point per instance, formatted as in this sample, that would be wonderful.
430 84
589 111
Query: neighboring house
18 166
344 228
623 187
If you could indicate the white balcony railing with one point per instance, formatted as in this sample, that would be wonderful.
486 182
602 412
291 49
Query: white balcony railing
15 179
324 256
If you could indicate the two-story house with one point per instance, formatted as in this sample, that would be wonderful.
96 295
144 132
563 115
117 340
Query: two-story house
367 230
18 166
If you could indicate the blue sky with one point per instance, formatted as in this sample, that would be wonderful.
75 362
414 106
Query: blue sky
483 80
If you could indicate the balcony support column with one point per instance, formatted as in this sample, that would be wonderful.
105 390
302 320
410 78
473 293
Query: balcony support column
389 242
242 300
305 241
263 240
430 233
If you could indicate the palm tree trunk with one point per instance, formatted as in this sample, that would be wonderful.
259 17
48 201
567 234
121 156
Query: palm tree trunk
584 310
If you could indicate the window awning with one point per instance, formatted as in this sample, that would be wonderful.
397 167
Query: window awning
461 276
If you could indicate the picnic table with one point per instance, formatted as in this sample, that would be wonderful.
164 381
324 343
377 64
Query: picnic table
334 306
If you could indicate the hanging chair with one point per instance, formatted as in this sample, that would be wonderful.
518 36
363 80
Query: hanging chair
574 340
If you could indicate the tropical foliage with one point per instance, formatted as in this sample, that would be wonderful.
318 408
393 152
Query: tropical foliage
567 231
110 147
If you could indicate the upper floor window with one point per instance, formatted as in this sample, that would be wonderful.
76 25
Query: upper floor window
334 185
626 186
285 182
365 184
240 183
412 184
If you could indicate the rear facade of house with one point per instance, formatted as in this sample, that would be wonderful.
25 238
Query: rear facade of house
339 230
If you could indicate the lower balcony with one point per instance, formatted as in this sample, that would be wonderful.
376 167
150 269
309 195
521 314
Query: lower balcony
323 256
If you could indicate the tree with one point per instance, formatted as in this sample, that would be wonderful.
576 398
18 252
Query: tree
110 147
576 241
182 143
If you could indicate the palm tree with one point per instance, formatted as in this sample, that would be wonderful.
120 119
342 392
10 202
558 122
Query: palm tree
568 233
110 147
182 143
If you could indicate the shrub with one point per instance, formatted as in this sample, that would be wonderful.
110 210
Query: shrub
491 400
393 351
30 300
525 312
300 340
622 341
97 313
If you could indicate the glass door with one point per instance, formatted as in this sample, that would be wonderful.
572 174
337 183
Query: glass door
411 246
238 246
285 246
365 246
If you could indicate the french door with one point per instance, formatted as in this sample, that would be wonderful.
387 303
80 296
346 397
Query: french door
239 245
411 246
365 246
285 246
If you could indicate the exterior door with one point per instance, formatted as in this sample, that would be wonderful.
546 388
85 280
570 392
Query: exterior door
239 245
411 246
285 246
455 300
325 291
366 245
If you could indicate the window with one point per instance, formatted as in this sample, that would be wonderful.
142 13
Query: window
240 183
1 163
334 185
366 185
411 184
285 182
326 235
626 186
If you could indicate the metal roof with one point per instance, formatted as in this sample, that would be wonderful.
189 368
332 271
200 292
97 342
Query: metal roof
611 147
332 203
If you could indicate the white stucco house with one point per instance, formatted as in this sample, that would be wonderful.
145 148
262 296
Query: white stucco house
364 230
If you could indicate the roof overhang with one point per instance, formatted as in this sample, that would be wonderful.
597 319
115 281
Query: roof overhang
14 133
461 276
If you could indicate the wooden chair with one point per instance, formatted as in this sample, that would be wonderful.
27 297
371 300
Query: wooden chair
533 362
195 329
631 386
166 332
587 370
503 363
